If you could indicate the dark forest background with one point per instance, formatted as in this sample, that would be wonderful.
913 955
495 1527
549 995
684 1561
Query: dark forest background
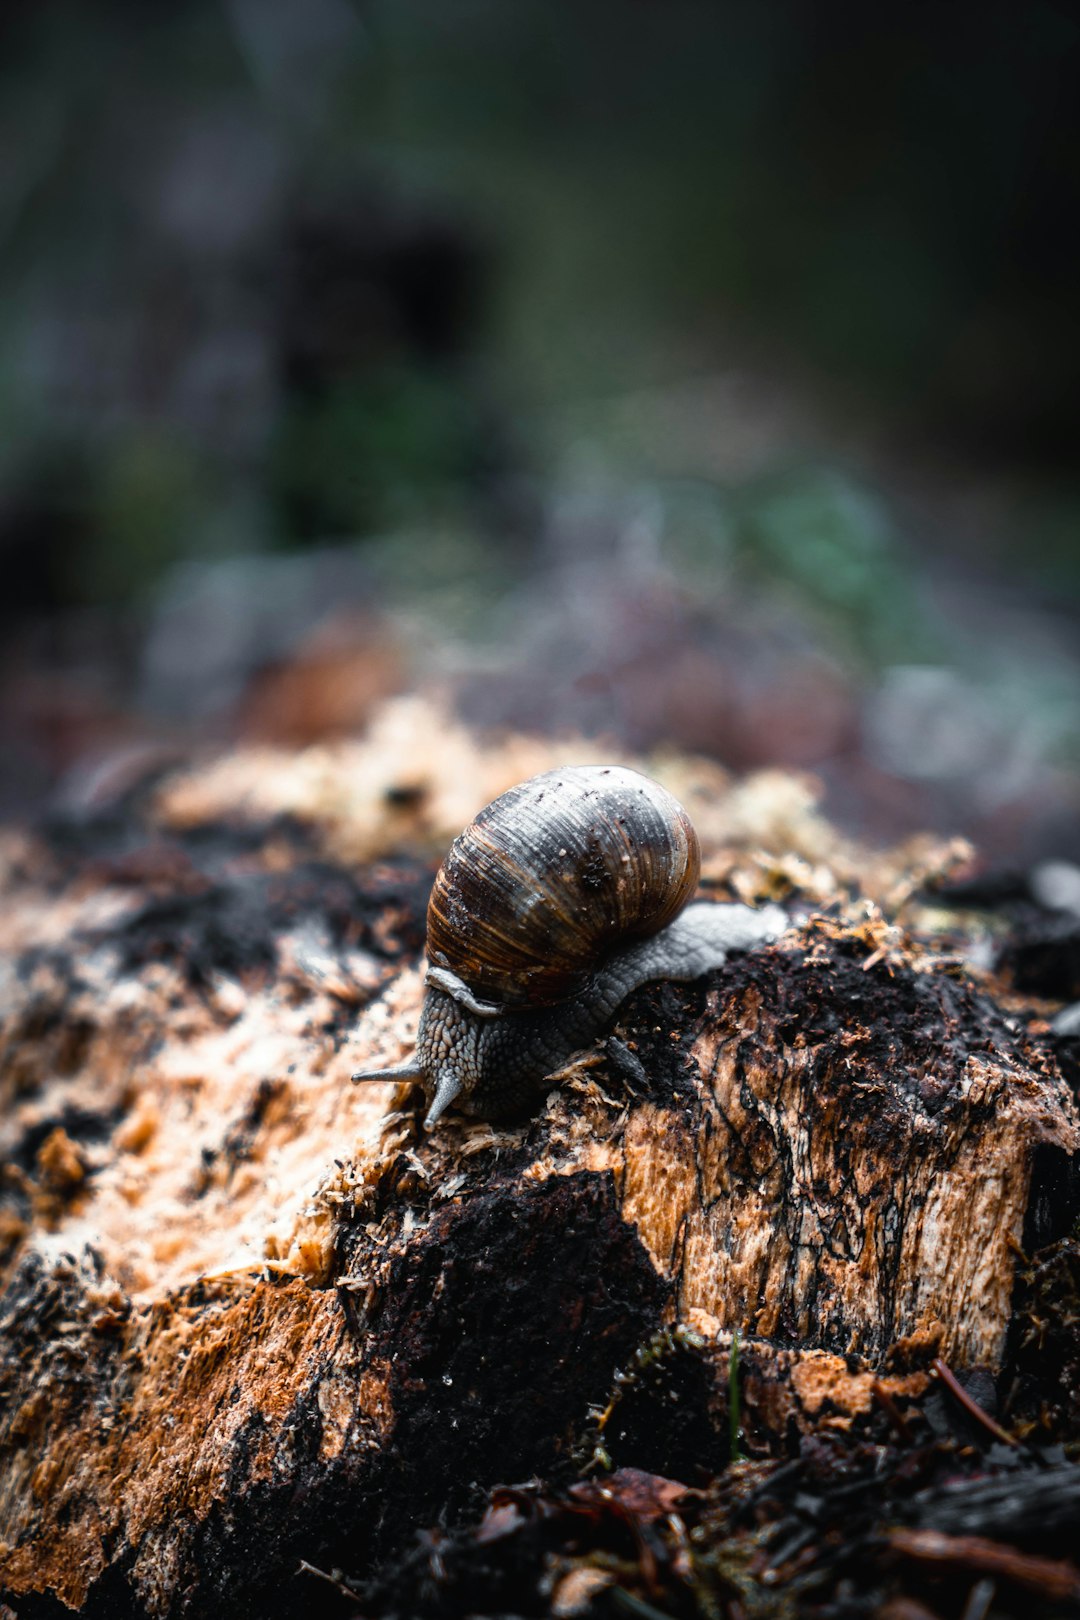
695 374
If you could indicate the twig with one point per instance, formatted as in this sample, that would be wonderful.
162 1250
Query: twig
972 1408
1056 1579
334 1579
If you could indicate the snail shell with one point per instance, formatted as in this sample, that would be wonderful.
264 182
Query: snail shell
561 898
555 875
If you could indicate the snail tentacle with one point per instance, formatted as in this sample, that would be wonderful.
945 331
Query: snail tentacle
409 1070
446 1090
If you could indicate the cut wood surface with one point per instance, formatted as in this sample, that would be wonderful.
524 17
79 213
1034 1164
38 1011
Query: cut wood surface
253 1315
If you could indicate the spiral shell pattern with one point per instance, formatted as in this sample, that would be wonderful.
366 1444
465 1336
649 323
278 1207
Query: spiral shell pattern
555 875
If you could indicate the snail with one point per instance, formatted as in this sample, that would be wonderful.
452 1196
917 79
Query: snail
565 893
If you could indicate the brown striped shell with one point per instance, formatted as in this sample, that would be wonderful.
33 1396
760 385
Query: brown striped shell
554 876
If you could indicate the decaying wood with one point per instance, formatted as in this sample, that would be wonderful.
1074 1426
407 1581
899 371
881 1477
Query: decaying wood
253 1316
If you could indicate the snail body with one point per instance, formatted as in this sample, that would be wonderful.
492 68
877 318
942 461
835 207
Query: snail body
565 893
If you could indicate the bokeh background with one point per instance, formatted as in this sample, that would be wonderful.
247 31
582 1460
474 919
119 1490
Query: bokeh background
700 375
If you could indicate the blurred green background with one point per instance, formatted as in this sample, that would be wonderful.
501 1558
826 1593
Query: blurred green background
697 373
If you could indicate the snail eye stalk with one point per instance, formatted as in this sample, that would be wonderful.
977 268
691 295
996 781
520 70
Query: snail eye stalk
400 1071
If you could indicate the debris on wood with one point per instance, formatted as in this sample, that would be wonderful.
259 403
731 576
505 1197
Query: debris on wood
770 1308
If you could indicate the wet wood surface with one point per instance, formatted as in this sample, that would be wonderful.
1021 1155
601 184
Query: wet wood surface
253 1316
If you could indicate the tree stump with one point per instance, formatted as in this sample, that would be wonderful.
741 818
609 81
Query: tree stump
253 1316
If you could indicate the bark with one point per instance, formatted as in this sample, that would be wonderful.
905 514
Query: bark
253 1315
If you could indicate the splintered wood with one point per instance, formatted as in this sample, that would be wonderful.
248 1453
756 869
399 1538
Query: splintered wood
851 1163
252 1315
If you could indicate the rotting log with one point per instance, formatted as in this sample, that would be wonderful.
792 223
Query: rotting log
254 1316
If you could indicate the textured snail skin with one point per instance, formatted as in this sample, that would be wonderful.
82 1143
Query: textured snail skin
492 1062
